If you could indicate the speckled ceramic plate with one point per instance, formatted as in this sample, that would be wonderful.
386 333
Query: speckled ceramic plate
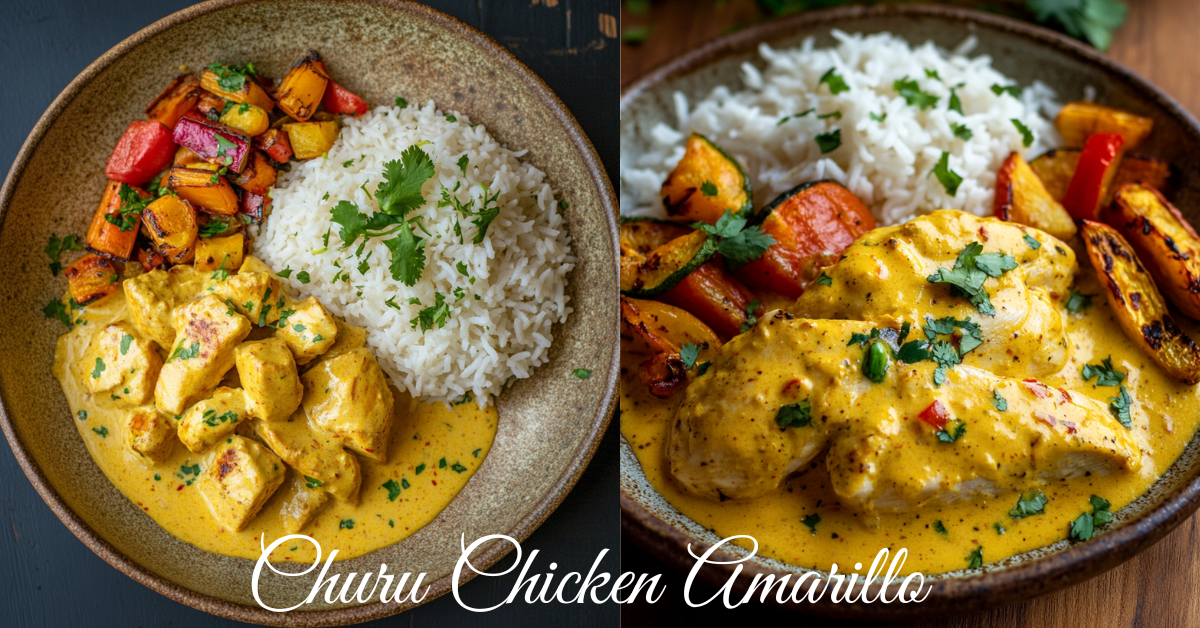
549 424
1025 53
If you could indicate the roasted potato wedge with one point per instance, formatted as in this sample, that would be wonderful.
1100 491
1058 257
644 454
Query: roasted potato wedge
204 188
1056 167
92 278
1022 198
1164 241
1077 121
705 183
302 89
661 331
177 99
225 253
246 118
1137 304
171 224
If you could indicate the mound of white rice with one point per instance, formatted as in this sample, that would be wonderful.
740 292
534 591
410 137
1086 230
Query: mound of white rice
885 163
514 290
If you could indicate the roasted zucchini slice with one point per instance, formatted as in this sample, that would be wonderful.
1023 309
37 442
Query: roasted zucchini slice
1163 240
706 183
1137 304
663 267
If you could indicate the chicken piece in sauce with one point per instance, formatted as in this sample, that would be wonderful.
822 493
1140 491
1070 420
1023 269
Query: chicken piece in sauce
268 374
210 420
121 364
314 454
207 332
239 477
310 330
152 296
257 296
303 504
149 434
348 397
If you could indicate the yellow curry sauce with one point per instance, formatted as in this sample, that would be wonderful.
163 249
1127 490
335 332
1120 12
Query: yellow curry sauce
426 436
1165 416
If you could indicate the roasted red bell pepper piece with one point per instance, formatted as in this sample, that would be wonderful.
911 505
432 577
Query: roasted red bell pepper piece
936 415
715 297
811 224
275 143
200 135
142 152
1098 164
338 99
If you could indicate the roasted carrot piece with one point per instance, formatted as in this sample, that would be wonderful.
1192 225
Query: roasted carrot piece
171 224
148 256
663 331
210 105
811 224
274 142
113 232
1137 304
257 177
302 88
91 278
1022 198
204 188
716 298
177 99
1165 242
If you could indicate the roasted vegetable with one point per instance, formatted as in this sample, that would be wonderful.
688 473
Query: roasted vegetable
1093 176
1137 304
223 253
1056 167
247 90
705 183
664 331
639 236
246 118
114 227
149 257
214 142
301 90
275 143
142 152
258 176
92 278
1022 198
716 298
340 100
204 188
1164 241
211 105
1077 121
177 99
811 224
664 267
311 139
253 205
184 156
171 224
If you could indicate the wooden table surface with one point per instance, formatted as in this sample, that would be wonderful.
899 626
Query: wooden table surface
1159 587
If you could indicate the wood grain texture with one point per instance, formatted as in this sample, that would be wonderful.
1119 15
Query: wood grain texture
1159 587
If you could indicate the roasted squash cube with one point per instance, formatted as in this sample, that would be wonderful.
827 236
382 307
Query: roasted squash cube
258 176
316 455
301 90
91 278
349 397
185 156
172 225
247 91
268 373
311 139
220 253
310 330
149 434
705 184
180 97
209 420
122 364
204 188
206 333
238 478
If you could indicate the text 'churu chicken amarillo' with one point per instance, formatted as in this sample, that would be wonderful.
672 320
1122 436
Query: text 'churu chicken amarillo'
926 400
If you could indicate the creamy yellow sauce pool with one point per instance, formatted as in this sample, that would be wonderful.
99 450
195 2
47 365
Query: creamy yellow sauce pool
425 436
1165 417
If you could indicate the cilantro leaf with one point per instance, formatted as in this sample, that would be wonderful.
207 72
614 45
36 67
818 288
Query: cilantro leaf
213 227
708 189
952 431
55 247
463 162
393 489
913 352
829 142
878 117
739 244
811 522
961 131
1031 503
835 81
1011 90
1084 527
1120 407
825 280
751 319
999 400
940 527
955 103
129 212
351 222
796 415
582 373
1026 134
688 353
1078 301
434 315
1093 20
912 94
1031 242
232 78
408 256
995 264
949 179
1104 373
400 191
975 558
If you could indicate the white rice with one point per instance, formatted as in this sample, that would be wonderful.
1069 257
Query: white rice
519 269
886 164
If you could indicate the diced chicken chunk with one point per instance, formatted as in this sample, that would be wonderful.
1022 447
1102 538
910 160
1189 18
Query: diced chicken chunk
302 505
121 364
211 419
154 295
309 331
268 374
238 478
349 398
207 332
257 296
149 434
317 456
349 338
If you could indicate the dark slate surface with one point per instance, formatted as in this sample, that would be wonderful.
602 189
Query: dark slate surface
48 577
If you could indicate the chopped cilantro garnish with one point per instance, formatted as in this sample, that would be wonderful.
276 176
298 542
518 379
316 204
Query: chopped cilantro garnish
232 78
949 179
419 469
126 340
955 103
1029 504
313 482
911 92
302 276
98 369
688 353
879 117
825 280
1104 373
797 415
975 558
1031 242
102 431
952 431
1000 402
1078 301
55 247
1011 90
708 189
1120 407
401 103
939 527
457 467
442 463
451 118
346 524
130 210
582 373
1084 527
961 131
751 318
56 309
703 368
835 81
829 142
1026 134
434 315
811 521
738 244
463 162
180 353
393 489
971 269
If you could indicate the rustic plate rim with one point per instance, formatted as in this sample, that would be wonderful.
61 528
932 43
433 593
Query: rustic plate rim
520 531
950 596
